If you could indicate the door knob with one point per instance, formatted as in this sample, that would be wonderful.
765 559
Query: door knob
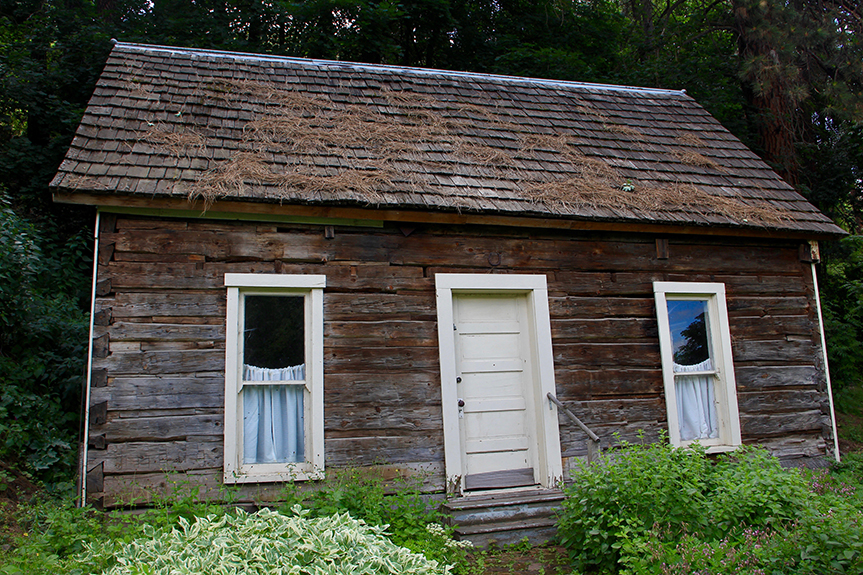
461 402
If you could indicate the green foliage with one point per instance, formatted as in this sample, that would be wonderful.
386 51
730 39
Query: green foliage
820 541
843 319
643 493
43 335
850 469
63 539
55 531
265 542
67 540
411 520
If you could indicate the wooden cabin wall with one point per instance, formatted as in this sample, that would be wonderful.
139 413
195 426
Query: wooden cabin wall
157 393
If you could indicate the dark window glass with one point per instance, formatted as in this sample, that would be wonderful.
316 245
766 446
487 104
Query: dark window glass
274 331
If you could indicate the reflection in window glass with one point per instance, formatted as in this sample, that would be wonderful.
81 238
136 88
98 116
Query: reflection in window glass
695 394
688 321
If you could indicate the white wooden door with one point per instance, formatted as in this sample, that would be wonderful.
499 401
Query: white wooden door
495 390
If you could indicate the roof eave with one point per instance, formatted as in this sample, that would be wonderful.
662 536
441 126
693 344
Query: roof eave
183 207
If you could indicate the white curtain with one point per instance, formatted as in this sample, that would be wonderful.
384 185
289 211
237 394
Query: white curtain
696 403
273 415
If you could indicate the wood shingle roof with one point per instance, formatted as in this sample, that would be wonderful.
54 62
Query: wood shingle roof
177 123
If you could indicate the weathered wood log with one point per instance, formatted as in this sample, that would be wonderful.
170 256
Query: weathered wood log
371 450
386 388
744 285
608 330
168 392
771 326
794 446
640 284
166 456
386 333
242 240
107 223
103 317
599 412
104 287
98 413
98 378
773 352
573 445
97 442
95 479
210 275
602 307
166 333
169 303
768 305
395 419
612 355
379 307
164 362
779 424
779 400
376 359
583 384
164 428
106 252
137 223
765 377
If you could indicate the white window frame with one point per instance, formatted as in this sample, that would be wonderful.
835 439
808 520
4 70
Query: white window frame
311 287
725 387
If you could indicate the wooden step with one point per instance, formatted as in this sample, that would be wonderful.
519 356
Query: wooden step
505 518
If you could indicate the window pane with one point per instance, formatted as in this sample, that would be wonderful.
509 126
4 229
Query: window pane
696 407
688 320
273 429
274 338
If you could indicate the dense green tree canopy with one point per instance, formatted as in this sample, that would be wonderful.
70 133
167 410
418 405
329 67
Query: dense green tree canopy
785 77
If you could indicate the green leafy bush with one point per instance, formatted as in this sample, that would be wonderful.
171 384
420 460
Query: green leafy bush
843 319
821 543
43 338
56 530
617 509
265 542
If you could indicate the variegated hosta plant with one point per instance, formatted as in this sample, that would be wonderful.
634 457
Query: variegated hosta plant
264 543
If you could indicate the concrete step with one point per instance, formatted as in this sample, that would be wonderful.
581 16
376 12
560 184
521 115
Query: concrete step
505 518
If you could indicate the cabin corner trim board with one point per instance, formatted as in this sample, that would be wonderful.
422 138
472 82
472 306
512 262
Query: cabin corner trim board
540 417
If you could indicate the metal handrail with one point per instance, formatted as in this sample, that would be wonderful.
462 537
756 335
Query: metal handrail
593 448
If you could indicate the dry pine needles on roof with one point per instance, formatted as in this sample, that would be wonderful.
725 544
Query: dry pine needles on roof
332 148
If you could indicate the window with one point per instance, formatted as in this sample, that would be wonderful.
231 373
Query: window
274 408
695 345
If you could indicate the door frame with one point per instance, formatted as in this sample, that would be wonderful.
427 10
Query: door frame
547 436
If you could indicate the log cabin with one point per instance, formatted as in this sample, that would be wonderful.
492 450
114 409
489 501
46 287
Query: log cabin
303 265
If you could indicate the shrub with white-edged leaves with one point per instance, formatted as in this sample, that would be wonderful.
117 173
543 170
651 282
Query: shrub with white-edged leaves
263 543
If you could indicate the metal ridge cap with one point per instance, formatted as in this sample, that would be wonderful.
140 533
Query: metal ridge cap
310 62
